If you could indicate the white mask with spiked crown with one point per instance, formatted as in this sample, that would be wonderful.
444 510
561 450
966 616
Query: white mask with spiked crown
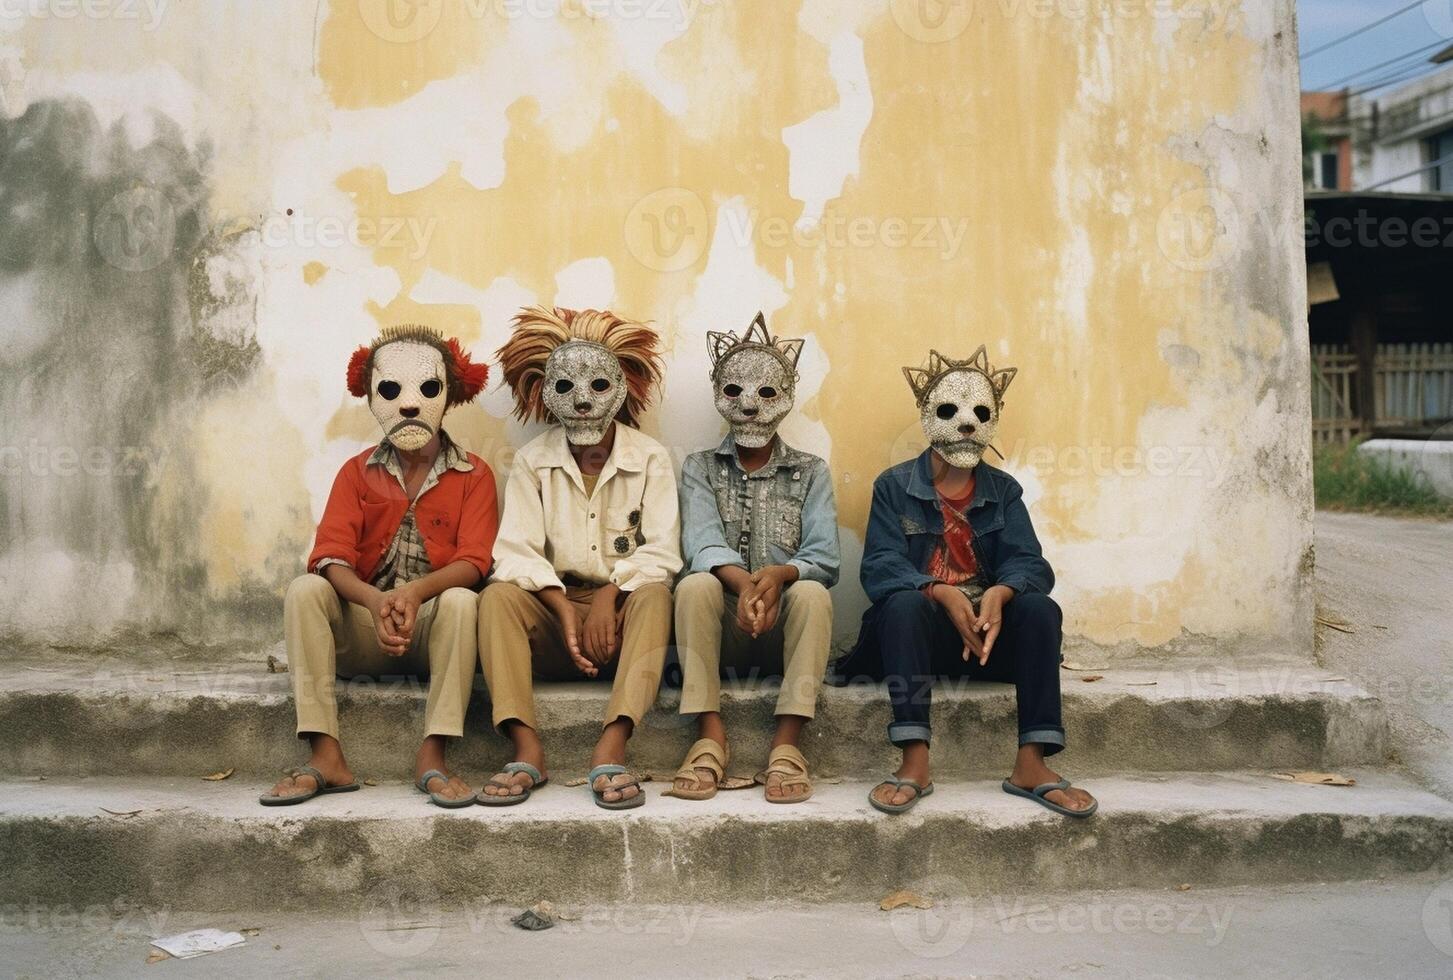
959 404
755 378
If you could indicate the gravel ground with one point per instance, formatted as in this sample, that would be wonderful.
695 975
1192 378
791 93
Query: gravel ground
1390 581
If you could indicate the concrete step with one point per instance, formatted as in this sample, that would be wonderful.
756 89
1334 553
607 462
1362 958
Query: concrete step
186 843
83 717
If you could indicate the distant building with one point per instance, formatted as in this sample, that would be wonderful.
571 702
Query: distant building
1403 137
1328 165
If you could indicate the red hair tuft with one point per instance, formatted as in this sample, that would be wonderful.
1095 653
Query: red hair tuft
472 377
358 366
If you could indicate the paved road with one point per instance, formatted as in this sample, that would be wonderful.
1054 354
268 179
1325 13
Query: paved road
1388 929
1391 580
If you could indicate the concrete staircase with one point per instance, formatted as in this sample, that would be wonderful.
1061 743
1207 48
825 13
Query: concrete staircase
101 798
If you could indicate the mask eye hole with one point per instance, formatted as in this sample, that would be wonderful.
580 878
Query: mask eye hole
767 391
732 391
983 413
430 388
563 385
947 411
600 385
389 390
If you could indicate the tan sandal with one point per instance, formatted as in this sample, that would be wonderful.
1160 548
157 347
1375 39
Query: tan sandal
786 761
709 754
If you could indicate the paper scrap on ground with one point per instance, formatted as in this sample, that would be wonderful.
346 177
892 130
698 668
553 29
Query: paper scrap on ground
198 942
1316 778
901 898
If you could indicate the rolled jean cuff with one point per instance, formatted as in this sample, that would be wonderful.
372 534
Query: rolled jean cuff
903 732
1053 739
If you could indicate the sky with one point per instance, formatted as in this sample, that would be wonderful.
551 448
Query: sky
1351 64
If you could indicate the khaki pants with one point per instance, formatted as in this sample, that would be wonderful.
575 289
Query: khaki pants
708 641
520 638
326 641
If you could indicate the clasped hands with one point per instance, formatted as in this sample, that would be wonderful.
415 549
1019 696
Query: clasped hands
978 630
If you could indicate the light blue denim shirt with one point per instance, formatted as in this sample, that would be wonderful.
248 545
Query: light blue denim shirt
783 514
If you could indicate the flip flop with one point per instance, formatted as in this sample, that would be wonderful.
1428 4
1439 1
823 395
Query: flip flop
707 753
438 799
919 792
611 769
788 762
320 789
1038 795
536 781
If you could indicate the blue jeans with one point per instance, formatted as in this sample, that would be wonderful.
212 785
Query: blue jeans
916 643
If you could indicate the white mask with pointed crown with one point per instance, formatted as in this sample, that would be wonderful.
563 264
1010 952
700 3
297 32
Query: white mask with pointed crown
959 403
755 378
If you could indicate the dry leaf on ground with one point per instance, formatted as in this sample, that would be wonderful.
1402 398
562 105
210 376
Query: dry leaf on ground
1328 680
1141 683
1071 665
1092 678
251 932
903 897
1183 888
1316 778
577 781
369 781
736 782
156 956
120 813
1333 624
217 777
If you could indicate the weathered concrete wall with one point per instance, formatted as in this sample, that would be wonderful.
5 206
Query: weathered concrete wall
207 205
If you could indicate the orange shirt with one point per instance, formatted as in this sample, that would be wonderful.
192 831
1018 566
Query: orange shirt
458 517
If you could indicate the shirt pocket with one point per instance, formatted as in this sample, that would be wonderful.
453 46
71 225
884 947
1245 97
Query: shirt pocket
623 531
727 484
790 493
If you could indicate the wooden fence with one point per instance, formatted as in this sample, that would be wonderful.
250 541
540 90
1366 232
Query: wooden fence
1412 390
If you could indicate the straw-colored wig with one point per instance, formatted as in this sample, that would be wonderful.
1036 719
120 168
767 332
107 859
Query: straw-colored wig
539 331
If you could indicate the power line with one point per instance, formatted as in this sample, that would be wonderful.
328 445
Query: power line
1401 75
1364 29
1441 43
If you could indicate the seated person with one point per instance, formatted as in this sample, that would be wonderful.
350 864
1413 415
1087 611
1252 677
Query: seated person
759 535
406 536
588 547
960 588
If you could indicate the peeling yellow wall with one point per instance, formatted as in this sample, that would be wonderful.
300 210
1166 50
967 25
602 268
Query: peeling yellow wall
1099 192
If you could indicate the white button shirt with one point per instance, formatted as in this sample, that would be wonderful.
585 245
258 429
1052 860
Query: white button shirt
627 532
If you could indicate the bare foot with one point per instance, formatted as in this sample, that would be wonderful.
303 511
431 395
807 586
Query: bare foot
527 749
611 749
1030 771
915 767
328 759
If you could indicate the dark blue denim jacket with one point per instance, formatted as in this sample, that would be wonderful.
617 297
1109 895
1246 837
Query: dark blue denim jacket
905 524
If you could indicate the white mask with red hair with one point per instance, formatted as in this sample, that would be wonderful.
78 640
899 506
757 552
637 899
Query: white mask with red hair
411 376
